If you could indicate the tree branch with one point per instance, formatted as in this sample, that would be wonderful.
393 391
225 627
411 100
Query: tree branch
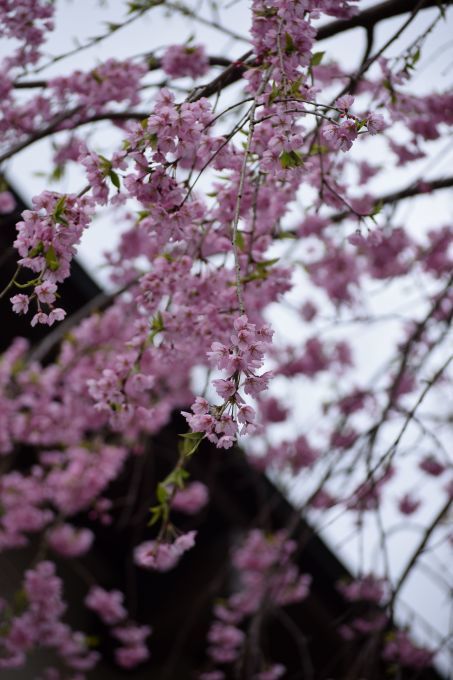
372 16
395 196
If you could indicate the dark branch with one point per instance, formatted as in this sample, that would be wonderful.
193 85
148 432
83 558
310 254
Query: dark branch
154 65
374 15
395 196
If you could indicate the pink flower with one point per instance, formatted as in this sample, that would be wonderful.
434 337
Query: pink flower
132 634
191 499
185 60
219 355
367 589
254 384
56 314
225 388
273 673
340 137
225 442
7 202
20 303
375 123
163 556
108 605
129 657
400 649
344 103
432 466
408 505
46 292
70 541
40 317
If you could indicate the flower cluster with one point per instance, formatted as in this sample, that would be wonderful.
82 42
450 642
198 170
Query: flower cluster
39 624
133 649
46 240
108 605
191 499
27 21
68 541
239 361
400 649
185 60
111 81
267 575
177 130
99 169
163 555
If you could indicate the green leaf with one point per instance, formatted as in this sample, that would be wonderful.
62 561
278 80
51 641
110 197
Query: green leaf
143 5
152 139
275 92
267 12
191 442
289 44
239 241
295 88
267 263
377 208
316 58
51 259
286 234
37 250
57 173
59 208
191 435
318 149
156 513
176 477
97 76
115 179
290 159
20 599
157 326
92 641
162 493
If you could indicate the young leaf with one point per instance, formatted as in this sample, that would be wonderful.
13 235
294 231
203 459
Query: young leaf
162 493
316 58
290 159
51 259
115 179
289 44
239 241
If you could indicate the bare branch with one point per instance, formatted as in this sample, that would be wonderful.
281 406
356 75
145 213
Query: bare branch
372 16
